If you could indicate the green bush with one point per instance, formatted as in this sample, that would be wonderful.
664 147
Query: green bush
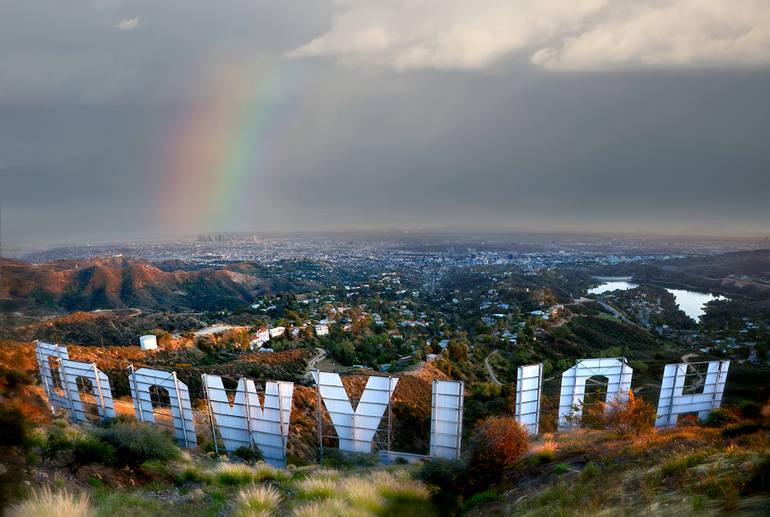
486 496
248 454
590 471
341 459
90 449
59 443
720 417
191 475
137 442
441 473
740 428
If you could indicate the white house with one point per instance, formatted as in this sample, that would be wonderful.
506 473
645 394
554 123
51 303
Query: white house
261 337
277 332
321 330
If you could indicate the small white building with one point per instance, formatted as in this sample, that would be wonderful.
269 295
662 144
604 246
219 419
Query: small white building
277 332
261 337
148 342
321 330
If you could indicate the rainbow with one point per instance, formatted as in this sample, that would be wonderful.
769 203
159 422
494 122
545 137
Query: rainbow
213 159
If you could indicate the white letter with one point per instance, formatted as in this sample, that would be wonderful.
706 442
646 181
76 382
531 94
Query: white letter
573 385
355 429
267 427
446 419
673 403
152 389
529 381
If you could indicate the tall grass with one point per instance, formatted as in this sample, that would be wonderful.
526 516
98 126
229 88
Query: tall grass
46 503
233 474
316 488
258 501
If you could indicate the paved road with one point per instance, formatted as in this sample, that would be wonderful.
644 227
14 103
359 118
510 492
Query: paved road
489 368
615 312
699 374
320 355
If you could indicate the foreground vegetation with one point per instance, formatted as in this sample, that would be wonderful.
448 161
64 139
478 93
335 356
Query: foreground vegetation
615 464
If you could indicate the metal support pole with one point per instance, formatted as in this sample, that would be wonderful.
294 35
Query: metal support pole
280 416
65 382
181 409
390 412
135 393
44 376
99 388
319 419
248 412
211 412
460 418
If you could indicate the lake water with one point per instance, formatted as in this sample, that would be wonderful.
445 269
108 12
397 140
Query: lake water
691 303
612 285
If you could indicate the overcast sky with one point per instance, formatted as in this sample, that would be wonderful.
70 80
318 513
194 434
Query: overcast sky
132 119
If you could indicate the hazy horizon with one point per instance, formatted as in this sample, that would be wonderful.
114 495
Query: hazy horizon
125 121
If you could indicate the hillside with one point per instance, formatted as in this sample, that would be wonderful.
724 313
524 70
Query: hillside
117 282
741 274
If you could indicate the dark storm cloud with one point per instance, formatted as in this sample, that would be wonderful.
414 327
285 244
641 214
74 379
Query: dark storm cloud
543 130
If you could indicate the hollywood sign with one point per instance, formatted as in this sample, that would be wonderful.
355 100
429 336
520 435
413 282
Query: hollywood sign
245 421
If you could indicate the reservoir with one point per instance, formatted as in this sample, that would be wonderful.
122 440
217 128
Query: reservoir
691 303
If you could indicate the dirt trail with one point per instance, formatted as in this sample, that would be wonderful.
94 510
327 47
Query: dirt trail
489 368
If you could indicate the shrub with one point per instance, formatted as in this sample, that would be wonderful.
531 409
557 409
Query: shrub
441 473
496 443
45 503
191 475
740 428
485 496
720 417
137 442
14 379
13 427
621 417
342 459
90 449
590 471
258 500
546 453
248 454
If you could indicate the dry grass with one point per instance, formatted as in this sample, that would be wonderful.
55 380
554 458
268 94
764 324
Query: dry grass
328 508
258 501
235 474
316 488
687 470
46 503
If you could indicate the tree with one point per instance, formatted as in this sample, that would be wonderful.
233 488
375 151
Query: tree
457 350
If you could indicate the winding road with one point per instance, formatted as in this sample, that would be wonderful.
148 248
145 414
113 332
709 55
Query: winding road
320 355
